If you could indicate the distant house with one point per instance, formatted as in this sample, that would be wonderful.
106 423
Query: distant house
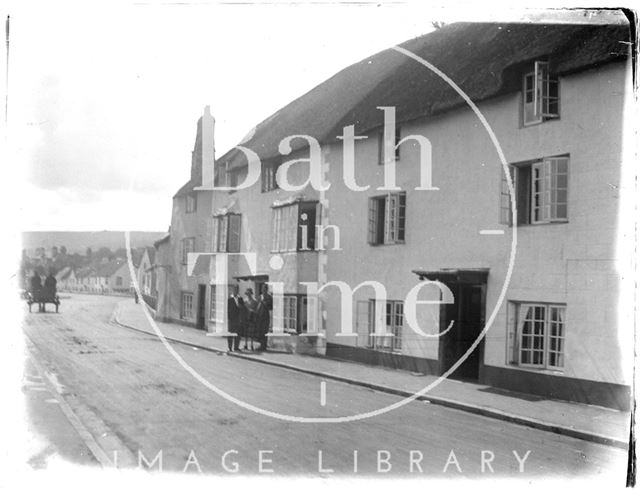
66 279
114 276
84 279
146 274
162 270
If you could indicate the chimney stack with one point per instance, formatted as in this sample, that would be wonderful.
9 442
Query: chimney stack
208 148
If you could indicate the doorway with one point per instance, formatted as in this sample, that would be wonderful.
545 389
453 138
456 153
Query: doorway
202 297
467 314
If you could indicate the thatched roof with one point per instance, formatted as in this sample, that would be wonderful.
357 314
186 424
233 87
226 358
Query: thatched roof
484 59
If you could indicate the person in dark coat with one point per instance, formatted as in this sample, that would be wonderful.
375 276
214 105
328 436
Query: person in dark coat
236 315
250 326
36 285
50 286
263 316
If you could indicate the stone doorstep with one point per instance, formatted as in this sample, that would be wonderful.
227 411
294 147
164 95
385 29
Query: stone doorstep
297 344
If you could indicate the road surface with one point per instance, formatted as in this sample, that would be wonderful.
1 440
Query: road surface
137 400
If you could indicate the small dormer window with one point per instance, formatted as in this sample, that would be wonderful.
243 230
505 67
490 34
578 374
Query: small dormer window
540 95
396 142
269 181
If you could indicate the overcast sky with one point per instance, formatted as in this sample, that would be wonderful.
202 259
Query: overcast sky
98 97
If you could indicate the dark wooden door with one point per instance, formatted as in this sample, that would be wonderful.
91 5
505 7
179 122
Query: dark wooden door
467 313
202 296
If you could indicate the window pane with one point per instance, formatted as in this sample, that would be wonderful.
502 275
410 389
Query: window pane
402 204
235 225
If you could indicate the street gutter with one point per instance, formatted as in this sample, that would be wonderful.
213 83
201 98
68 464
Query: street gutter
436 400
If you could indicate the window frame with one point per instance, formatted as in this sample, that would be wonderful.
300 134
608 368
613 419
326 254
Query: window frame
394 321
544 102
185 250
394 221
548 336
546 205
226 233
268 181
288 238
294 313
191 203
397 145
184 315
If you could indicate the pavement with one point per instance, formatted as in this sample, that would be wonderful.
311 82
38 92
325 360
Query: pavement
52 434
586 422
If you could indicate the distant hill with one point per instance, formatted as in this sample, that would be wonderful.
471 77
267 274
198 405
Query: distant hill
78 241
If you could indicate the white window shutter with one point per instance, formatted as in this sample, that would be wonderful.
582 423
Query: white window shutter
362 322
541 74
529 100
512 334
235 221
558 187
214 235
224 226
546 191
506 217
373 219
275 229
387 212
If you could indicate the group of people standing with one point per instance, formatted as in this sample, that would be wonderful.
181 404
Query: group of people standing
39 291
249 318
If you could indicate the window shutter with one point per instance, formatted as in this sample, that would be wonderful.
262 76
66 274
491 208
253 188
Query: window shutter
318 238
278 309
540 69
235 222
275 225
546 190
371 318
548 88
312 314
512 334
387 211
224 228
506 217
540 192
380 324
373 219
292 227
558 187
529 100
362 322
215 234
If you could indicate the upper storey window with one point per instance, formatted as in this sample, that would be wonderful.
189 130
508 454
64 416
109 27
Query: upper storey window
191 203
541 100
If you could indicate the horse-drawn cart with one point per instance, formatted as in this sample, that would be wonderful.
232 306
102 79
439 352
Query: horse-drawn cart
42 298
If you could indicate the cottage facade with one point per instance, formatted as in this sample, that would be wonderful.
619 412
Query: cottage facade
530 302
